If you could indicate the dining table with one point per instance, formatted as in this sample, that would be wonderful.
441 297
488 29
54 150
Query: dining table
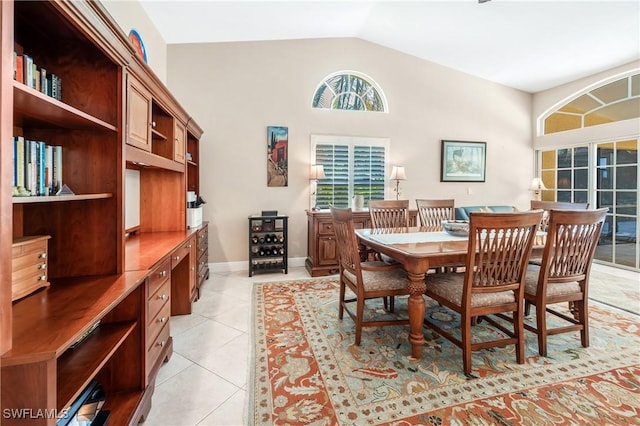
420 249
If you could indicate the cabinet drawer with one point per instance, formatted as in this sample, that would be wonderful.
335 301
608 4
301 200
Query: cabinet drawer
157 322
29 265
159 276
158 299
180 253
157 346
325 228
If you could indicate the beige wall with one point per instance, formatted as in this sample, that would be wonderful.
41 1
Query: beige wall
235 90
130 15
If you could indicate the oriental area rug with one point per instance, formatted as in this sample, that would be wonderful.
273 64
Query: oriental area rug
307 371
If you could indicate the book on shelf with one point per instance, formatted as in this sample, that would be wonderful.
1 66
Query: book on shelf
27 72
37 167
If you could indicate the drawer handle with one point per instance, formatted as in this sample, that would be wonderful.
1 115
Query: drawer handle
162 297
161 344
176 258
163 273
162 320
42 256
42 266
193 268
43 278
189 246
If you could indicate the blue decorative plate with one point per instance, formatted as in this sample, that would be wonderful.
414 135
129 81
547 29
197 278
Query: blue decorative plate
138 44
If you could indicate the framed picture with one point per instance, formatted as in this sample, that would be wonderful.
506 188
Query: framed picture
463 161
277 157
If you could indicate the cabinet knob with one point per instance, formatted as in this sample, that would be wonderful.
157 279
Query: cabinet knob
161 343
162 320
42 256
189 246
153 124
163 273
176 258
162 297
42 266
43 278
193 268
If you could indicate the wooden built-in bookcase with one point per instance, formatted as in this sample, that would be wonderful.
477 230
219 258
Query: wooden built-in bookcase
114 114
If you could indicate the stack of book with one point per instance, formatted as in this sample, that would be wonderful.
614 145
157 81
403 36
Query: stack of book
27 72
37 167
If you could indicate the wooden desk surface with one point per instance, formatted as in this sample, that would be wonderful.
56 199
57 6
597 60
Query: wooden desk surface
144 250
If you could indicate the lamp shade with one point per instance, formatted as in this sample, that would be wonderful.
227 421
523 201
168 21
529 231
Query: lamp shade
397 173
317 172
537 185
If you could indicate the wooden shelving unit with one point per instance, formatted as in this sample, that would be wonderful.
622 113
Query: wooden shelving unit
114 114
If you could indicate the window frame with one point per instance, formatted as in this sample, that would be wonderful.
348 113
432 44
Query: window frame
351 142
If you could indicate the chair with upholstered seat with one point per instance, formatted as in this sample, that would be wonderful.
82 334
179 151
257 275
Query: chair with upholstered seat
493 281
556 205
367 280
563 274
433 212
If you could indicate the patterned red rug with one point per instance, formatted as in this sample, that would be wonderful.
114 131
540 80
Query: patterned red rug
307 371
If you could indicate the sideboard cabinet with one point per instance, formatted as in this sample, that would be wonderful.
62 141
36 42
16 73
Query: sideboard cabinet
322 249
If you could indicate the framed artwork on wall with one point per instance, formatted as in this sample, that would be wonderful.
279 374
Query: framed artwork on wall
277 160
463 161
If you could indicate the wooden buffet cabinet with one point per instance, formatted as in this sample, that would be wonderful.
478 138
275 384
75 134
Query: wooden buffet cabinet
322 251
106 314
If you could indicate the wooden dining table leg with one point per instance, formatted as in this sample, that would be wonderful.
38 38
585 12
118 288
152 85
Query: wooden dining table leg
416 307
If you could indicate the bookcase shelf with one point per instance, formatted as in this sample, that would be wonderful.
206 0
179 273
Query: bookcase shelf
59 198
76 367
35 109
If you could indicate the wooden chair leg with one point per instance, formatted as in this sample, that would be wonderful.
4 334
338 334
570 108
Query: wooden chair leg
359 316
341 304
527 308
541 324
584 320
466 344
518 329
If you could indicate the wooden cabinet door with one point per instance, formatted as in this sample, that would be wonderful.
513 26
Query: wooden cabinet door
179 144
138 115
327 251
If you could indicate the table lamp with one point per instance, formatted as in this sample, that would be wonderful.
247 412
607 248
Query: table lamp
317 172
537 186
397 174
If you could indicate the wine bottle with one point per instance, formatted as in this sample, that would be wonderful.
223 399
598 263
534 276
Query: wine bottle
261 240
282 250
281 238
261 252
254 239
267 239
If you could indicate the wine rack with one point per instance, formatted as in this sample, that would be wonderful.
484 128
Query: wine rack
268 244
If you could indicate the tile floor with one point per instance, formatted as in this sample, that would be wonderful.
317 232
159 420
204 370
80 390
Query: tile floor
206 380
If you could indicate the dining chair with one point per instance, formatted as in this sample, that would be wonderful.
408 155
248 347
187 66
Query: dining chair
367 280
389 213
557 205
492 283
433 212
563 275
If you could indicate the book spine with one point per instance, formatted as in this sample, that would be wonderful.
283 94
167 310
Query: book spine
20 68
48 170
57 168
41 167
43 80
20 162
28 70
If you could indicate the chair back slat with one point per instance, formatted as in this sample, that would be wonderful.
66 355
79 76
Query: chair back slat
571 242
389 213
502 243
433 212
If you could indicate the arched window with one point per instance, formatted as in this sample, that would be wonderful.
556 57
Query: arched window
614 101
349 90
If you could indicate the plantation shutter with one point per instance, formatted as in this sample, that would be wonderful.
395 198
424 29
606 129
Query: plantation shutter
350 168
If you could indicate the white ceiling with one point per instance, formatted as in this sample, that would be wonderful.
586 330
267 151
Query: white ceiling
528 45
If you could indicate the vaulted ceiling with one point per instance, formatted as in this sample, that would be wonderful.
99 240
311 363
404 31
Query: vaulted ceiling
528 45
